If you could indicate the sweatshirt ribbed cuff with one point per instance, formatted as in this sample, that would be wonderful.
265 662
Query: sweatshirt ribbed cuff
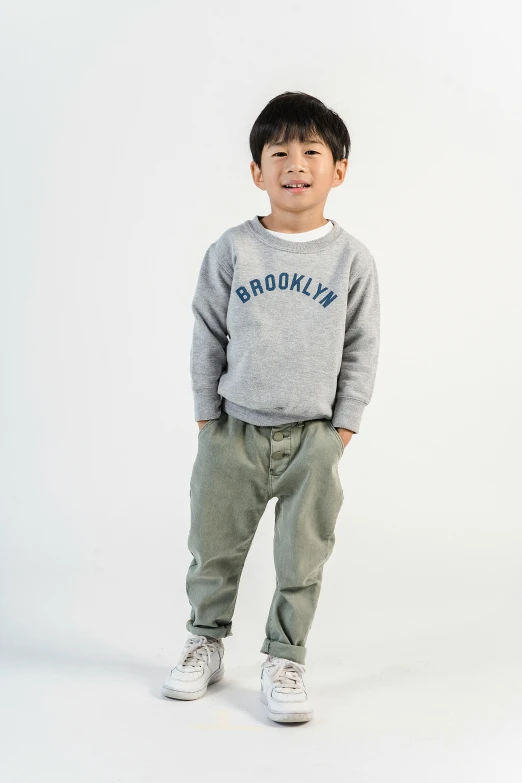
348 413
207 404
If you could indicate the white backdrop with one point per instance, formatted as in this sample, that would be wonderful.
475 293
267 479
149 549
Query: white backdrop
124 154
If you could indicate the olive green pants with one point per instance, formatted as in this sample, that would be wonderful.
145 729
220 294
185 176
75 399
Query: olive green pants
239 467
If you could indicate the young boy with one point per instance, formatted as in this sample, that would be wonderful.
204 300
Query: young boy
283 363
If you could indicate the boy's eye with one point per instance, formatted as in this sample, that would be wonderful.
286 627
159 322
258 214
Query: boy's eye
315 152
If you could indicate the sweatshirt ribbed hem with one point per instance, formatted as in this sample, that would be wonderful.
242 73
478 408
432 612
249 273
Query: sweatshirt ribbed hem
259 418
207 404
348 413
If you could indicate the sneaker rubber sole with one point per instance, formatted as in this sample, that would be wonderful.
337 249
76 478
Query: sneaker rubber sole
189 695
286 717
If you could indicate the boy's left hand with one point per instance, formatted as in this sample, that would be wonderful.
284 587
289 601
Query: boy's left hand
345 435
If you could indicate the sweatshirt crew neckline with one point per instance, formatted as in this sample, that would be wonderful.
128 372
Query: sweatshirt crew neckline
308 246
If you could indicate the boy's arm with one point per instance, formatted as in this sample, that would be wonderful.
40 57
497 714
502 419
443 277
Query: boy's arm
209 340
356 377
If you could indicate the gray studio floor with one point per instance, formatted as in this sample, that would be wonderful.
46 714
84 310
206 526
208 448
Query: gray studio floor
432 695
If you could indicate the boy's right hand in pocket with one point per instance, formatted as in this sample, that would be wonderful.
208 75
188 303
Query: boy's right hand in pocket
202 423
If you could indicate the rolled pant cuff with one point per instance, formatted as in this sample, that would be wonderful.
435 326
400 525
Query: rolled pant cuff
218 633
282 650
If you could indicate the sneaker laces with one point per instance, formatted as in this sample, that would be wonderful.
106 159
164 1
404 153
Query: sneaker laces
287 674
198 649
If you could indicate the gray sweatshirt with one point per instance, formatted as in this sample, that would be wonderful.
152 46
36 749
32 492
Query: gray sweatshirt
285 331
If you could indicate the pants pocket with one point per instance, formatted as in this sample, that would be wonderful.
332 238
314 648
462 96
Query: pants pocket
338 438
206 426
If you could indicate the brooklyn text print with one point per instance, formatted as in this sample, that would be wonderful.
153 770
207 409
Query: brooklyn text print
312 289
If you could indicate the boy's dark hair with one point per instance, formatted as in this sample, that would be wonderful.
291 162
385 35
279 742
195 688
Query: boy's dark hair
296 115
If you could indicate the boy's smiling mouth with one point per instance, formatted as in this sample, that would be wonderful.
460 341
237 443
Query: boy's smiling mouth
298 186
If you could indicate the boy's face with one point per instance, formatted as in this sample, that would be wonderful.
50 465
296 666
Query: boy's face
310 162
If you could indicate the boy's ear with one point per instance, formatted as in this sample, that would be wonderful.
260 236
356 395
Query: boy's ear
340 172
257 175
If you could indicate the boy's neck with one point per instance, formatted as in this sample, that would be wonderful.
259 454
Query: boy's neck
293 223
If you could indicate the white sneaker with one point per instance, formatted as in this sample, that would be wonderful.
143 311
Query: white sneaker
199 665
283 690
